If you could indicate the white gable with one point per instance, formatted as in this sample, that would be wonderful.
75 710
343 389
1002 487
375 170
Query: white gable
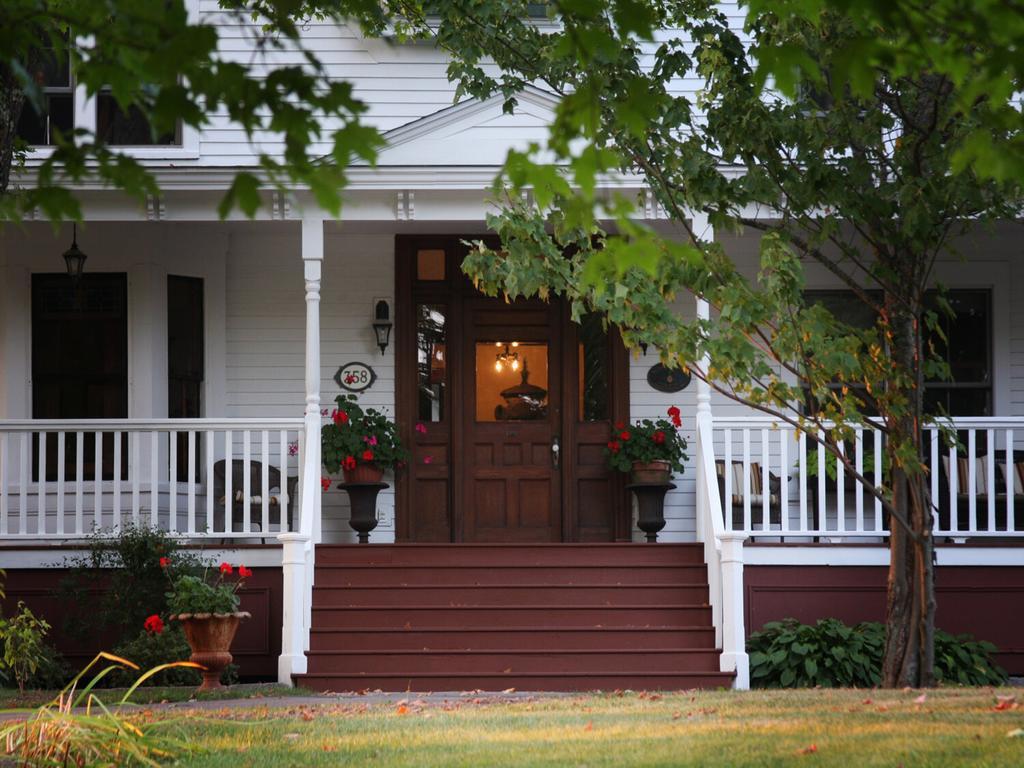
471 132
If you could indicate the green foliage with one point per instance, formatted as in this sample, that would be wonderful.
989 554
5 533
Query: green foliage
646 441
192 593
59 733
788 654
24 651
151 649
360 436
119 581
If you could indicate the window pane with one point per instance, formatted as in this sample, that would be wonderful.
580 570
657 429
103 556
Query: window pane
431 361
593 365
430 264
511 381
116 127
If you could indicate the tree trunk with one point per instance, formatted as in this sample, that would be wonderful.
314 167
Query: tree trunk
12 98
910 605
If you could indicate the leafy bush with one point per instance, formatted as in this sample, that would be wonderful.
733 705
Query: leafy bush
23 648
119 582
788 654
151 649
196 594
360 436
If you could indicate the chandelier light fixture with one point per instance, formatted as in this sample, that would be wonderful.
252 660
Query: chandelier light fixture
508 358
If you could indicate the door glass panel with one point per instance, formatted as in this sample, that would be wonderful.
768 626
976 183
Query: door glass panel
431 361
593 367
511 380
430 264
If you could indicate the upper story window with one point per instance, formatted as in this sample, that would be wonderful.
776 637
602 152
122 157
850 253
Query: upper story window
117 127
38 123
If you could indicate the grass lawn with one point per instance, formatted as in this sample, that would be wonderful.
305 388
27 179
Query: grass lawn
10 698
830 728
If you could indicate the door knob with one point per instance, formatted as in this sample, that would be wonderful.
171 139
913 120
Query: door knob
556 450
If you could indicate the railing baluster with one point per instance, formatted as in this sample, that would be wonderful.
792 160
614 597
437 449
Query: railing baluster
972 481
154 478
265 477
858 464
172 481
841 488
954 487
282 449
97 482
229 492
802 490
822 520
117 481
4 529
210 500
878 477
765 484
79 482
727 505
191 482
1011 482
246 481
747 522
784 478
41 486
990 480
135 472
934 471
23 484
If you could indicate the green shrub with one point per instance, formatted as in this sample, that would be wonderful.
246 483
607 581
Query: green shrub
22 648
151 649
788 654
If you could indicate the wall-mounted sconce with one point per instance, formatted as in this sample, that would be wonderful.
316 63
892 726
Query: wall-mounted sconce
73 257
382 323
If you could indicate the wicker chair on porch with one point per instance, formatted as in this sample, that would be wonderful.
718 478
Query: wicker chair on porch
981 496
255 501
756 495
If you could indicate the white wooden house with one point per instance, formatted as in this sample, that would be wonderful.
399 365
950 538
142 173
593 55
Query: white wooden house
190 340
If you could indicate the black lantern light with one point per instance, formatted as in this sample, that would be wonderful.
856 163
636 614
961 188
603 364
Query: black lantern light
73 257
382 324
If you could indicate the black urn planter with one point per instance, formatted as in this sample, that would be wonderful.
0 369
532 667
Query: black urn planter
650 499
363 499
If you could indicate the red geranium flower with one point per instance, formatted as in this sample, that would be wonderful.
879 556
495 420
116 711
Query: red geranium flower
226 568
614 446
620 425
624 435
349 463
673 413
154 625
165 562
244 572
325 483
367 455
340 417
658 437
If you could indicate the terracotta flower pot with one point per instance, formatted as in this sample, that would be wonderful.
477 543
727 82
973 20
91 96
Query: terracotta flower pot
651 472
210 636
363 473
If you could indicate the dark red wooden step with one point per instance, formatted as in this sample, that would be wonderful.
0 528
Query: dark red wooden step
522 555
482 617
505 637
607 681
512 662
522 575
508 595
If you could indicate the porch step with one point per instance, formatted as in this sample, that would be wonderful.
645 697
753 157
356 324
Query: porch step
431 617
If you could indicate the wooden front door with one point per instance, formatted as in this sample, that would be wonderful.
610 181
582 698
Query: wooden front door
485 392
512 368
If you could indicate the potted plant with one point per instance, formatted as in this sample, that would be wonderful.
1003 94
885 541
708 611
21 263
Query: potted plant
361 443
208 612
650 450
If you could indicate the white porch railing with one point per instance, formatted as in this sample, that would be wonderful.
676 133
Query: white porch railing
196 478
774 482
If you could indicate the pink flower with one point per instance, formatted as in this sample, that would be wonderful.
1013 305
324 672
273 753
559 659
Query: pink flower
372 440
428 459
293 448
421 429
324 412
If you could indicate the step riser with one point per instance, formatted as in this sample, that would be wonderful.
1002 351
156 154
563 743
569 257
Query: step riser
494 664
478 640
390 575
507 596
485 618
662 682
486 556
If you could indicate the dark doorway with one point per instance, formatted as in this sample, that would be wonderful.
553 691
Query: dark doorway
185 362
80 360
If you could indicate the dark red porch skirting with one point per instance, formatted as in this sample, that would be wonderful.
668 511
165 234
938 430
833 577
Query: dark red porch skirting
987 602
256 648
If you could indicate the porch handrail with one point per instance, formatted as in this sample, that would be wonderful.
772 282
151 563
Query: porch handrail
144 425
723 554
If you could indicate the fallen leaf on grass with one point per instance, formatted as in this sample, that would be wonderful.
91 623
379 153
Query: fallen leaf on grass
921 699
509 690
291 736
1016 733
1004 703
589 726
676 715
402 709
810 750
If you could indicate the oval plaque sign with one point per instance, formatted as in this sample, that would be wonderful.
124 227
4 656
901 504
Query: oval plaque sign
664 379
355 377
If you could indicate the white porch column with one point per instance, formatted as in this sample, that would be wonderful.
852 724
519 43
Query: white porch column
298 556
703 230
734 650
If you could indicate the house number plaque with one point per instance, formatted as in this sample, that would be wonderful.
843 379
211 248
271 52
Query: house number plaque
665 379
355 377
